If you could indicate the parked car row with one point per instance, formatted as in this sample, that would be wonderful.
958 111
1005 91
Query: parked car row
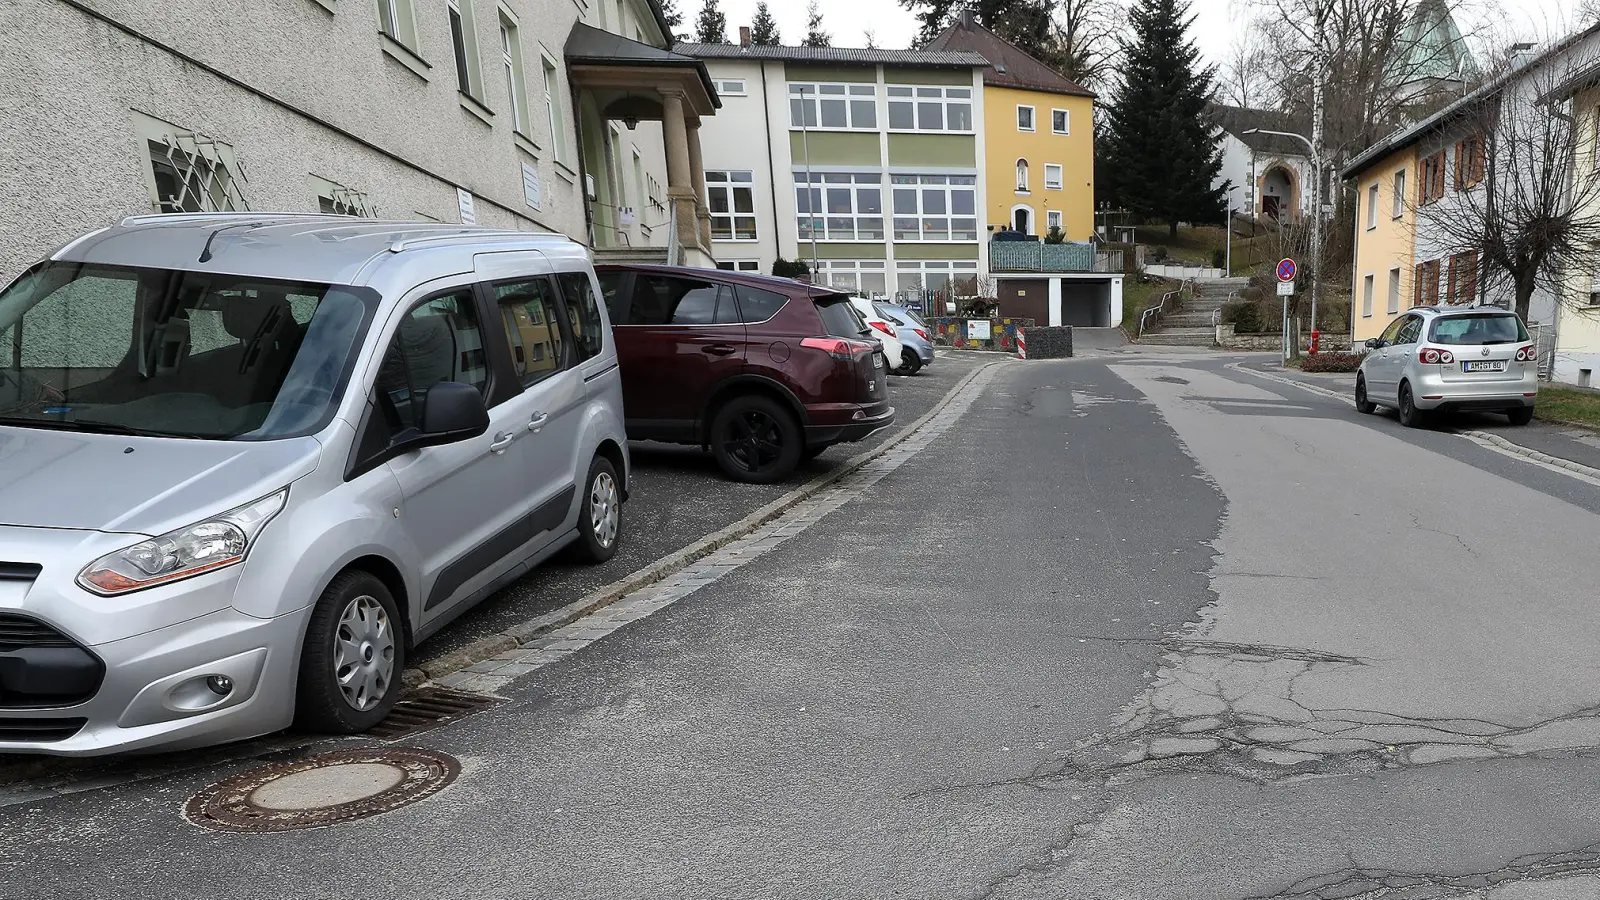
248 461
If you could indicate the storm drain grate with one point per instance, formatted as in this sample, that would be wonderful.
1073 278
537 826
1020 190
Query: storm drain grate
427 709
322 789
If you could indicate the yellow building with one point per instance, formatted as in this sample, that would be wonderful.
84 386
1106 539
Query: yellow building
1577 346
1385 241
1038 135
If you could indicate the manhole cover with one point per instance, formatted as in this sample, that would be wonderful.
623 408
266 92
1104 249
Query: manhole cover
324 789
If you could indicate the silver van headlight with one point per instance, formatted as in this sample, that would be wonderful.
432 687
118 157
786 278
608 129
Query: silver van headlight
215 543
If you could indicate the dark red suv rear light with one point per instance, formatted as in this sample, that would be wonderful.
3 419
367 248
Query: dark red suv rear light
838 348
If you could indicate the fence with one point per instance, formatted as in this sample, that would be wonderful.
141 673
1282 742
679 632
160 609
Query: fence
1032 256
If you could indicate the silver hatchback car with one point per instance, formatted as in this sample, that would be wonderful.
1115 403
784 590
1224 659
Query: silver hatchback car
247 461
1442 358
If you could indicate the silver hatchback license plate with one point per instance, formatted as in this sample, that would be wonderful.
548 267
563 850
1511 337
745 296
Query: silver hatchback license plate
1493 365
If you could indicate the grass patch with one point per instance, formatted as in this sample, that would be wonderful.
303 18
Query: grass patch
1138 297
1195 243
1567 404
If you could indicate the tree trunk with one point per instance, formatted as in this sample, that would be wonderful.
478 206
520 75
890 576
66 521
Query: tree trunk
1172 230
1524 296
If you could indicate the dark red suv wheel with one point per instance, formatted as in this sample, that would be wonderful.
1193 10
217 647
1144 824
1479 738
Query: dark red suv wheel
756 440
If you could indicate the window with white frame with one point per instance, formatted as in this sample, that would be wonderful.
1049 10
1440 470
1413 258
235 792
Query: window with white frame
1052 218
464 39
1052 176
957 278
1022 176
1372 206
731 87
868 276
654 193
398 20
929 108
511 61
1399 201
1025 118
1060 121
852 107
740 265
552 110
732 198
1366 295
935 207
835 206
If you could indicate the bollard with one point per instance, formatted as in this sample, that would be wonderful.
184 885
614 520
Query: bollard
1022 345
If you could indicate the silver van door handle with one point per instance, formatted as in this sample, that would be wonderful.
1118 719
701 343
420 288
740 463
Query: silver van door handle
538 421
502 442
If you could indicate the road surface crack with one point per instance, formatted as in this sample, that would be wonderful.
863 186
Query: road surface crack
1361 883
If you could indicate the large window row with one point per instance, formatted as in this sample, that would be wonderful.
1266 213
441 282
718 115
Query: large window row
922 108
839 206
955 278
869 276
850 106
935 207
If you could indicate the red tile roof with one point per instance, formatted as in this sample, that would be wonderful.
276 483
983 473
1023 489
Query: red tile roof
1010 65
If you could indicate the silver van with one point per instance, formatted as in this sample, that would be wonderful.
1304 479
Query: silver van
247 461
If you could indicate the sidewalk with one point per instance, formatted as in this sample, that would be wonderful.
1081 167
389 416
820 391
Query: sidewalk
1569 442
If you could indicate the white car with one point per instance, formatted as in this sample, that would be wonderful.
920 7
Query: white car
883 330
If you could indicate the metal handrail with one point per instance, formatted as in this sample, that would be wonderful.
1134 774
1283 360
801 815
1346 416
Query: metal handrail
1160 309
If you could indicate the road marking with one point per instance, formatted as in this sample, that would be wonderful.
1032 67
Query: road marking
493 675
1487 440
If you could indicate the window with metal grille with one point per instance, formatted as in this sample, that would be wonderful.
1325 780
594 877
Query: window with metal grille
191 173
1052 176
336 199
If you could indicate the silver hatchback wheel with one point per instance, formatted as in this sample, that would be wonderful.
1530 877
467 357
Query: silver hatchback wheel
604 511
364 648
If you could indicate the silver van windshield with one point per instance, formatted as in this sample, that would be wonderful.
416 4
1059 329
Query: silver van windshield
174 353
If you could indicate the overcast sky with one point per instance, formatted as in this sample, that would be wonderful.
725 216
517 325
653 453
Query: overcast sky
893 26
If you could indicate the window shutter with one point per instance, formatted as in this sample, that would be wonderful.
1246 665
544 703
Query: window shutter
1460 167
1469 287
1450 293
1416 289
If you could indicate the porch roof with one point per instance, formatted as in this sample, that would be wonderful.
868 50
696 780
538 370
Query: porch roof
591 49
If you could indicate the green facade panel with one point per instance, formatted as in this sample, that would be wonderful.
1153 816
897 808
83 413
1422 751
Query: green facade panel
900 75
827 250
933 150
909 250
811 72
834 148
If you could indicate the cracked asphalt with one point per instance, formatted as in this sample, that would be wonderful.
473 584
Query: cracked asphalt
1138 626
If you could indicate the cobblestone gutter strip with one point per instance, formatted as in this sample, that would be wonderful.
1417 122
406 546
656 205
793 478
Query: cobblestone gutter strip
514 638
1482 438
765 531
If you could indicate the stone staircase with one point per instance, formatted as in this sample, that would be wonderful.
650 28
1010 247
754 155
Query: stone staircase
1191 325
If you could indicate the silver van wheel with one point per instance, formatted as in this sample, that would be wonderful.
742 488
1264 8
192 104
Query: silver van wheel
604 511
363 659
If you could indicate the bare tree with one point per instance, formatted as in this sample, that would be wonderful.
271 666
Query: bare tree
1088 36
1242 78
1517 203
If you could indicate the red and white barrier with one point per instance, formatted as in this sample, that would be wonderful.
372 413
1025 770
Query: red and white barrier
1022 345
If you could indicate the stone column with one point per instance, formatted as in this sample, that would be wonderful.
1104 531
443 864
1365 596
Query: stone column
681 189
697 172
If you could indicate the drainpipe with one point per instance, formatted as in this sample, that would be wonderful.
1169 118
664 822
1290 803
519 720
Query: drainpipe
772 169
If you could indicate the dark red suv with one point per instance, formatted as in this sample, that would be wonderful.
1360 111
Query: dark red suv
765 372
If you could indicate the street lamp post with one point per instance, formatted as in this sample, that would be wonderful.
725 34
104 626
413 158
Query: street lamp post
1227 266
1316 219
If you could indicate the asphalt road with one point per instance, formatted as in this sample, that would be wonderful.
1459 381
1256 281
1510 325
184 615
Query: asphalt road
678 497
1138 625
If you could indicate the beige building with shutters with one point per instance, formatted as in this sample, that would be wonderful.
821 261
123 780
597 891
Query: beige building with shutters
534 115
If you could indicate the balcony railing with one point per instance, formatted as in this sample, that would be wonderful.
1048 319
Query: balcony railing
1030 256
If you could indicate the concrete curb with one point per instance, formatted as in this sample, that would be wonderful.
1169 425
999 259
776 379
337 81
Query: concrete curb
519 634
1513 447
1485 437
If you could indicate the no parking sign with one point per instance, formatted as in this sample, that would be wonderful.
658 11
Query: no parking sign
1287 269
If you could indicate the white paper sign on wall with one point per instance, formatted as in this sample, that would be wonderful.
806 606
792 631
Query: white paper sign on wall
978 330
530 185
468 215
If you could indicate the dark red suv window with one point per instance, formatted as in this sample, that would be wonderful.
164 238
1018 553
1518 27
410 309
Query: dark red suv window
838 316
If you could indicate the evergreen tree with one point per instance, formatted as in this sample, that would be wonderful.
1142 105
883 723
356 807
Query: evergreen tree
1025 23
670 12
711 26
764 28
815 36
1161 153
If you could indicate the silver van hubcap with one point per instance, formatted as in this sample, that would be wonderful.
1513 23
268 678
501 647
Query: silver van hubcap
603 511
364 653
